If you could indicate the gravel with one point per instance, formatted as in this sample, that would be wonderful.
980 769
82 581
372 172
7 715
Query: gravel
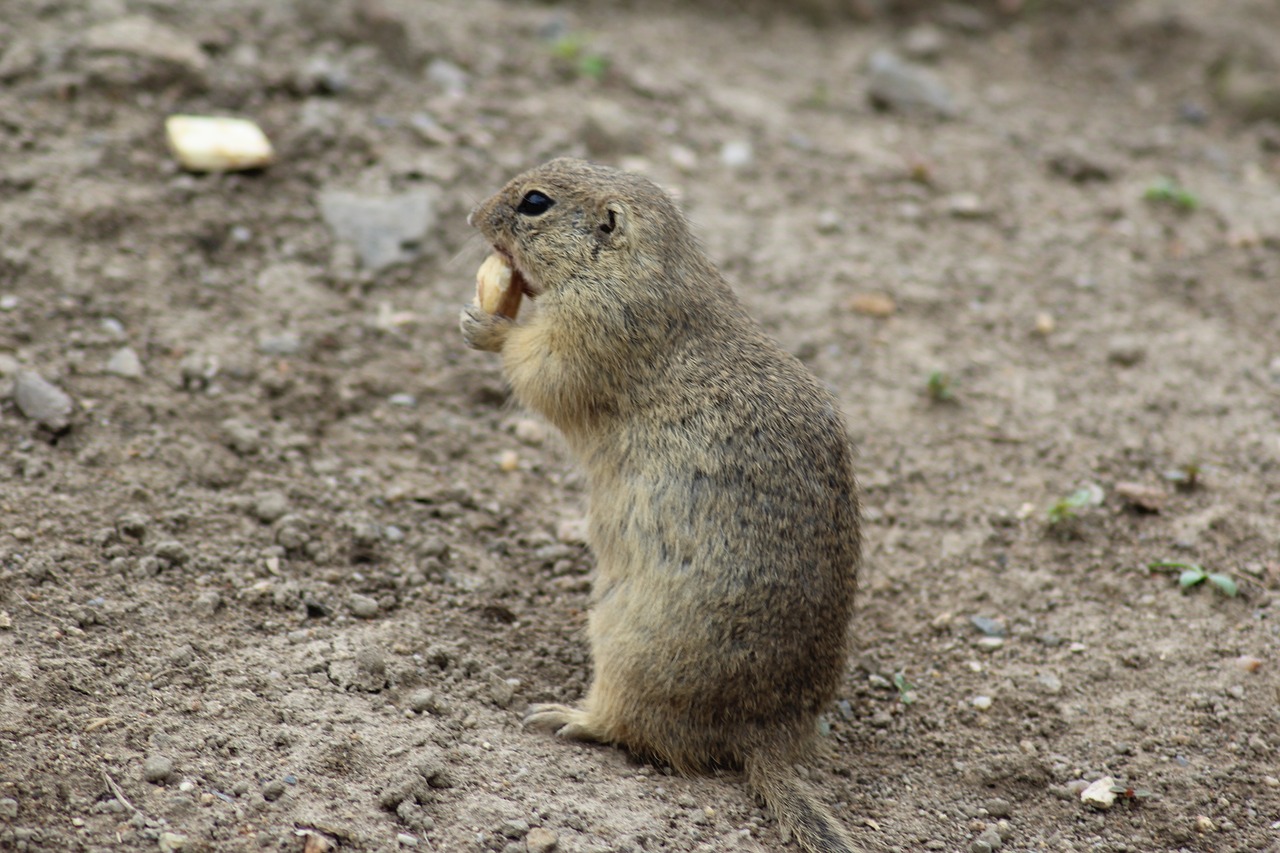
157 769
42 401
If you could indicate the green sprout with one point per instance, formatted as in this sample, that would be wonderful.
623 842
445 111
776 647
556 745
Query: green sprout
938 387
1192 574
572 50
1063 510
906 690
1166 191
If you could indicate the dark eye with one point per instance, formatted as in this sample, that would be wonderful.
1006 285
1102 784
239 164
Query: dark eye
534 203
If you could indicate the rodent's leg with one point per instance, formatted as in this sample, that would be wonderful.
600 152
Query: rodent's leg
568 723
482 330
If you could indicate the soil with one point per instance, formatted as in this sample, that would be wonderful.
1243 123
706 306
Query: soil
293 585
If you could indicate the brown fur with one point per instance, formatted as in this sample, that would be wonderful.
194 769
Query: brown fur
724 515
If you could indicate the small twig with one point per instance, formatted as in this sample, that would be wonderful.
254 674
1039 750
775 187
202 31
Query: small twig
119 794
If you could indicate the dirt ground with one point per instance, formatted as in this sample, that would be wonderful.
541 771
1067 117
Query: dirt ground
295 564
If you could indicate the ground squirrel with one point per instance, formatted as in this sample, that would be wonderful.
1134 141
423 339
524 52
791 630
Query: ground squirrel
724 513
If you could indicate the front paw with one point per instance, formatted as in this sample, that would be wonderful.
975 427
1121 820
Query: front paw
482 330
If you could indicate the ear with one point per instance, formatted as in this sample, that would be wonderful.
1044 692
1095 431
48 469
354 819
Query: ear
613 228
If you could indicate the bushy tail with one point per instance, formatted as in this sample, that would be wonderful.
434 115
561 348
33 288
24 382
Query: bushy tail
796 807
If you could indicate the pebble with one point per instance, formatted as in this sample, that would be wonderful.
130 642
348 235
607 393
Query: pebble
1269 781
1204 823
987 626
966 206
982 703
273 790
172 550
406 840
1099 793
508 461
990 644
1140 496
1049 683
207 603
872 304
171 841
8 808
362 606
530 431
270 507
157 768
737 154
1248 663
1125 351
572 531
514 828
42 401
125 362
998 807
989 840
1044 324
894 84
385 230
541 840
284 343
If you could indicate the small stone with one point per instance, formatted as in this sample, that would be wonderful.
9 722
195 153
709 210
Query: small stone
207 603
900 86
1044 324
404 839
737 154
284 343
966 206
171 841
423 701
1125 351
1248 663
990 644
999 807
541 840
1204 823
171 550
514 828
1271 781
987 626
270 507
273 790
8 808
872 304
1099 794
404 401
1140 496
1049 683
157 769
385 230
991 838
362 606
1080 167
982 703
42 401
530 431
508 461
125 362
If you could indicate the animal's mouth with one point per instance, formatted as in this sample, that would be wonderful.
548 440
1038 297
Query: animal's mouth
519 281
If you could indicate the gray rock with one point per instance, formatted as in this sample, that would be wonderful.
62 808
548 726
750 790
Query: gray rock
363 607
125 362
171 550
270 507
157 769
541 840
8 808
273 790
385 230
170 842
999 807
990 838
987 626
514 828
139 36
284 343
900 86
42 401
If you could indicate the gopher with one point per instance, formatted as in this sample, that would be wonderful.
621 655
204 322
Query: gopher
723 508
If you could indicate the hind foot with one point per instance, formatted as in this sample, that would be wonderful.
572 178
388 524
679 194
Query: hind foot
568 723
